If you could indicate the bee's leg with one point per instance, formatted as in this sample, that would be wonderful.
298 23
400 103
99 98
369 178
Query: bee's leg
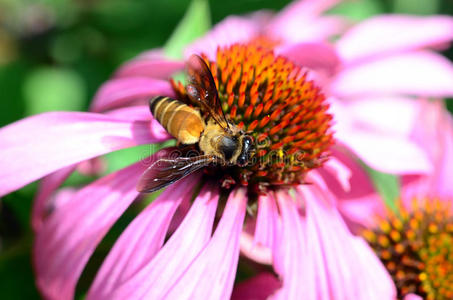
262 188
227 181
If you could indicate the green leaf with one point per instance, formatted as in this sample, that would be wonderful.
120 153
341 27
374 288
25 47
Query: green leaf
12 104
16 273
20 203
420 7
449 104
50 89
388 186
195 23
67 48
358 10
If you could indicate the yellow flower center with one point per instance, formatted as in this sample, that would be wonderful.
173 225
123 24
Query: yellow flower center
416 246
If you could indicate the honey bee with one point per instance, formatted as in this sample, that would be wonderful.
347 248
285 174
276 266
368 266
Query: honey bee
204 126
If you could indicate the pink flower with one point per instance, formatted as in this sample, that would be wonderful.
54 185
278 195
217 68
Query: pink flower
371 72
300 232
191 258
414 242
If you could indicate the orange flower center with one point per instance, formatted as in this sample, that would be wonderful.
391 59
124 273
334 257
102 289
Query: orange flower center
271 99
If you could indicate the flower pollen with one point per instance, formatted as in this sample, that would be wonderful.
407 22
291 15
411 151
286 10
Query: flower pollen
416 247
271 99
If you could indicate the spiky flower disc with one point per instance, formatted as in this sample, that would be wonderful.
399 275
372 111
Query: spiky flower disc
271 99
416 246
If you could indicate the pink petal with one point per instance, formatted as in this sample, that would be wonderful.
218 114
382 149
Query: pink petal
47 187
50 183
377 284
444 171
412 297
141 240
301 22
180 214
433 132
70 235
394 33
303 9
289 253
169 263
393 115
315 56
231 30
259 287
211 274
150 67
388 154
42 144
431 126
258 234
92 167
343 256
382 147
360 203
136 113
314 177
254 251
119 92
401 114
420 73
63 196
310 30
266 221
340 171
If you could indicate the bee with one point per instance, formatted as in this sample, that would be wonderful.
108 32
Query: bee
204 126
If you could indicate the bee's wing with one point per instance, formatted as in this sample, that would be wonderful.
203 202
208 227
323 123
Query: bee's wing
202 89
164 171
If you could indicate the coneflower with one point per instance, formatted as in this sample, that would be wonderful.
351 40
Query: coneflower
415 244
414 238
269 97
296 227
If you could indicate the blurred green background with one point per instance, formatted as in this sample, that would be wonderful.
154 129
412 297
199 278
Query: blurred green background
54 54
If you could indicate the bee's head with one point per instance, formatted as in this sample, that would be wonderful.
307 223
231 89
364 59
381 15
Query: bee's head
236 149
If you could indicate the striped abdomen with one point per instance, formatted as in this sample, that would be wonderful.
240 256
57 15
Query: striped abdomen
180 120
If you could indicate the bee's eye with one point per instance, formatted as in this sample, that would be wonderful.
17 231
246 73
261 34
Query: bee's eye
248 142
247 145
241 161
228 146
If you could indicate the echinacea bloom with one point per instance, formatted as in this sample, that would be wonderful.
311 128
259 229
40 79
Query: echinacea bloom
299 231
287 116
371 72
415 244
414 239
